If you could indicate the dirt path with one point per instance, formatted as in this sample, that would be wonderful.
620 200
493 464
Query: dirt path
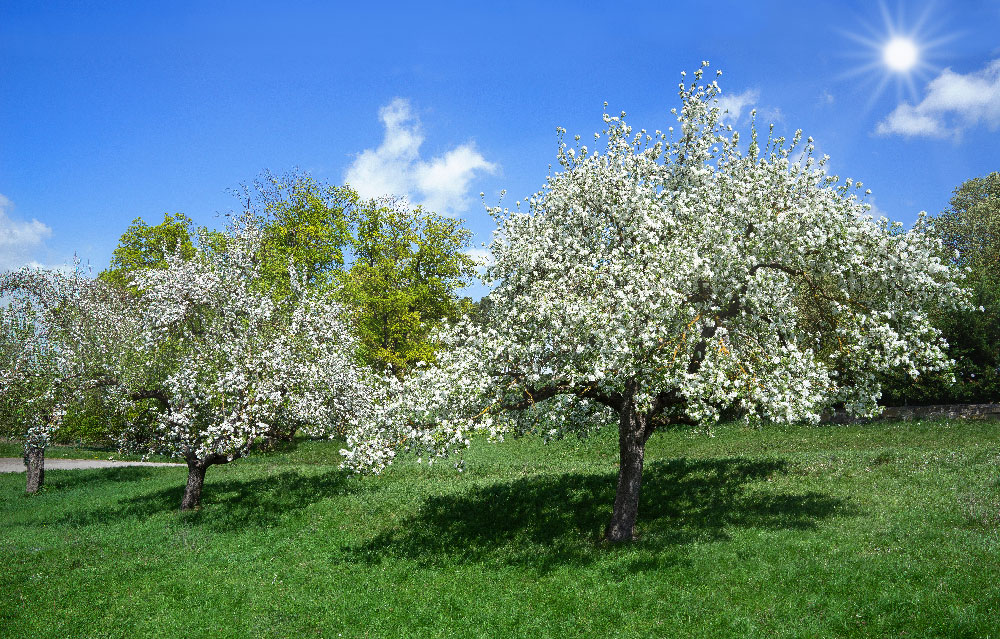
16 464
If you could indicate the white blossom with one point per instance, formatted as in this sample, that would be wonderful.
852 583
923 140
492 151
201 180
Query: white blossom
679 275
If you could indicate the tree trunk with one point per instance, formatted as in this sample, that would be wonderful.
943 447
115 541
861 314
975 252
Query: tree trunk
196 479
632 437
34 460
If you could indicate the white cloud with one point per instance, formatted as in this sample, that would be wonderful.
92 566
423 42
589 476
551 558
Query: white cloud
19 240
481 254
954 102
735 104
441 184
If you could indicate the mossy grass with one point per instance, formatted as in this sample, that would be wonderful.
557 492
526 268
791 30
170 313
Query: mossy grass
886 529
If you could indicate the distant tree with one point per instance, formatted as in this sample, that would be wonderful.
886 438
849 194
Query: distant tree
404 281
304 221
969 230
64 337
665 279
970 227
399 270
143 246
231 366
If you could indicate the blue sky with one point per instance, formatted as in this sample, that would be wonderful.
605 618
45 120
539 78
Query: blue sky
110 112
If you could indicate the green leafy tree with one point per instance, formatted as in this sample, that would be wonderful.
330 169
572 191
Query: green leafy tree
408 267
143 246
398 269
305 222
969 230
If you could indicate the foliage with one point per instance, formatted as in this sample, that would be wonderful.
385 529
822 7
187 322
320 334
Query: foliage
669 278
970 233
874 530
408 265
61 334
397 269
303 221
971 226
231 366
143 246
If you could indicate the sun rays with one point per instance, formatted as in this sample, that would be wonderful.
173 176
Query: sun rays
900 51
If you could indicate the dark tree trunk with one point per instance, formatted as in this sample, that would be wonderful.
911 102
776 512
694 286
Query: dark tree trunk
195 482
632 436
34 460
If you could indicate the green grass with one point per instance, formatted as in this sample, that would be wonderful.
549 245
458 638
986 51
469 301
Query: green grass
883 530
9 448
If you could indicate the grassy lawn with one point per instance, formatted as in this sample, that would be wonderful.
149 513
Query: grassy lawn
884 530
9 448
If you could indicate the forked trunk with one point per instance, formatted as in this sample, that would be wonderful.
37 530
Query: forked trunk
632 437
34 461
195 482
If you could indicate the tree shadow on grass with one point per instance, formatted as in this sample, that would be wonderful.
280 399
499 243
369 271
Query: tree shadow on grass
229 505
70 478
550 520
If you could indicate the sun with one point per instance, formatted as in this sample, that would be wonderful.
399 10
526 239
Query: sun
900 54
903 50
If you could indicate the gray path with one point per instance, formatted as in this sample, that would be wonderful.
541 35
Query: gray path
16 464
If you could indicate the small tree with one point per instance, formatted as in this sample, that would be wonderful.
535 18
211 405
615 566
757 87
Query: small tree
231 366
63 337
667 279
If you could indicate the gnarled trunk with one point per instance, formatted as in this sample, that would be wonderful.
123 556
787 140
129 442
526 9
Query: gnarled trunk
34 461
632 436
195 482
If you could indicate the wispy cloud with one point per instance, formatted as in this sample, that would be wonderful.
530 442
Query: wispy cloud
482 256
732 105
954 103
19 240
441 184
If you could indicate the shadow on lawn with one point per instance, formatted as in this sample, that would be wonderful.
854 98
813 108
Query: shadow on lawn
548 520
229 504
82 477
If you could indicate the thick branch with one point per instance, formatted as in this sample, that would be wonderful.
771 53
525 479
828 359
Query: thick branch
530 395
150 394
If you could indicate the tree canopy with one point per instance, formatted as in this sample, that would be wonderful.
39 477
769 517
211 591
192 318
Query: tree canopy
408 266
398 269
303 221
143 246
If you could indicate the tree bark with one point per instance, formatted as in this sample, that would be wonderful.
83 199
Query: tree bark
195 482
34 460
632 436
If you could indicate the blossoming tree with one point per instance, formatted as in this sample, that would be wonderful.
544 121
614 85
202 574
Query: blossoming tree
62 337
229 367
672 276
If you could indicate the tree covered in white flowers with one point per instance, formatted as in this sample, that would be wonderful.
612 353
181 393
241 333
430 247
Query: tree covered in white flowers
63 337
230 367
674 275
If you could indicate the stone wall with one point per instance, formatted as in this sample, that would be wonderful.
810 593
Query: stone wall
943 411
940 411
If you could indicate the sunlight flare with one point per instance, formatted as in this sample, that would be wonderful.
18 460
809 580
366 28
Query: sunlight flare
900 54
